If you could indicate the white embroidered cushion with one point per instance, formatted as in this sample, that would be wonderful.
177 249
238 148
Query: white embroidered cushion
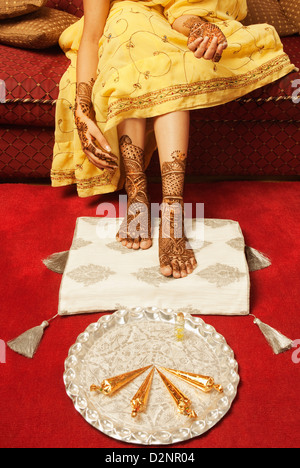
102 275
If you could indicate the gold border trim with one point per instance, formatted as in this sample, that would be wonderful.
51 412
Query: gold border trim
172 93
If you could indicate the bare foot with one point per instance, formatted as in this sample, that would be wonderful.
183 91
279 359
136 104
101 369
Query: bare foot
135 230
176 257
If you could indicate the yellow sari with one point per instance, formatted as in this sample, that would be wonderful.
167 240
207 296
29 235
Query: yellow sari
145 69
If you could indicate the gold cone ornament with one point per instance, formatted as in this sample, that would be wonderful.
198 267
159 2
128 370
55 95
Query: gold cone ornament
111 385
140 399
179 327
202 382
182 402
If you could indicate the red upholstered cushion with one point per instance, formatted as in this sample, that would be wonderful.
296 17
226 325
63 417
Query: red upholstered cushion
32 80
224 149
75 7
241 149
25 152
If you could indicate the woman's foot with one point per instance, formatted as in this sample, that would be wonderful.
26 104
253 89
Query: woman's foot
176 257
135 230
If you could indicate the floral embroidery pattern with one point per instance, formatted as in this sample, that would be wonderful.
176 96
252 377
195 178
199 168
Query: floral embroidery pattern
192 89
118 247
152 276
79 243
237 243
221 275
90 274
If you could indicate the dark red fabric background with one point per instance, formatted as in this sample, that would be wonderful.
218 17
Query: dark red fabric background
35 410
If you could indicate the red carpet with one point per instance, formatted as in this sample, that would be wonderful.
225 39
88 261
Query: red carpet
39 220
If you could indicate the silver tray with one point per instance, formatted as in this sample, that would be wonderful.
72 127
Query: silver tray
134 338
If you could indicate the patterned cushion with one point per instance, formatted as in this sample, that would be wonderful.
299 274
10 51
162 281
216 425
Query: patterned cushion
270 11
9 9
32 79
217 149
292 11
26 153
75 7
37 30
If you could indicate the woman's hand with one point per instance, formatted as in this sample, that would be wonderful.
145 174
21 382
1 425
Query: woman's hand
206 40
94 144
92 140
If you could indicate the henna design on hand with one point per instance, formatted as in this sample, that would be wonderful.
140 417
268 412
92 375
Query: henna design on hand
137 225
199 28
174 250
83 111
205 29
84 98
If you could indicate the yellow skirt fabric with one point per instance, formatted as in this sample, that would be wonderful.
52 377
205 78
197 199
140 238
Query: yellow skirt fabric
145 69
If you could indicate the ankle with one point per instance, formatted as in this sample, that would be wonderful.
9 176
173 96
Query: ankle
171 200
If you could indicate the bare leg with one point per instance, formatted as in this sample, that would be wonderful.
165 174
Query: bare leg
135 231
172 134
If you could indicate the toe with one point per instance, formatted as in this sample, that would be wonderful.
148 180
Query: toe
183 269
130 243
146 244
127 243
176 269
136 244
166 270
189 267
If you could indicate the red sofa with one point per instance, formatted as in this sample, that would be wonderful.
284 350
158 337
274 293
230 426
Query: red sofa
256 136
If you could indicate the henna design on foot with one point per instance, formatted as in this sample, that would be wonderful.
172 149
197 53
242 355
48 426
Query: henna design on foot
175 255
135 230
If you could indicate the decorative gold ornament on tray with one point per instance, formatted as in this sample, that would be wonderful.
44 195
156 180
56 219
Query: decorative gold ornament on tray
140 399
182 402
202 382
179 327
111 385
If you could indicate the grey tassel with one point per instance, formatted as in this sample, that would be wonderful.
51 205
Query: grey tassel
57 261
278 342
27 343
256 260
